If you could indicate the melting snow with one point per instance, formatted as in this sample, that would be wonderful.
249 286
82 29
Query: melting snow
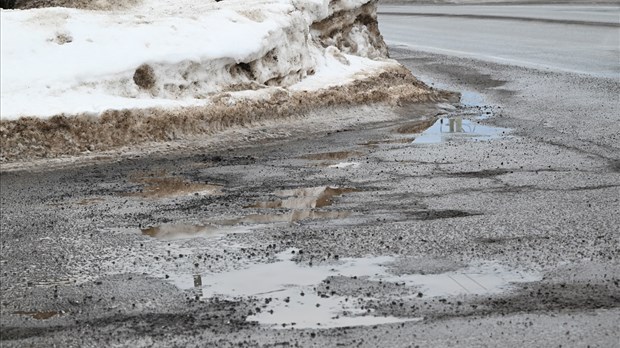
61 60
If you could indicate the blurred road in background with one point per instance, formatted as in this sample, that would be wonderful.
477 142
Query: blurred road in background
572 38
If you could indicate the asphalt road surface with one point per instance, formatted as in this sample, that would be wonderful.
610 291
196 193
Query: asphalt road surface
572 38
497 226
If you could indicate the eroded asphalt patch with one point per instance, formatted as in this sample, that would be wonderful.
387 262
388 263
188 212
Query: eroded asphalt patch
345 237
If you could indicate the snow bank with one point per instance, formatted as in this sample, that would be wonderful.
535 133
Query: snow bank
70 61
79 80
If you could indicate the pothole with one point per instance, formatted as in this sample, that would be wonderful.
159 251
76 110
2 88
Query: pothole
288 297
446 129
39 315
388 141
304 198
186 231
171 186
244 224
332 156
415 127
302 204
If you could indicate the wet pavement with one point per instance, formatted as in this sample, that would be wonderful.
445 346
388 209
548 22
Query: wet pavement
489 221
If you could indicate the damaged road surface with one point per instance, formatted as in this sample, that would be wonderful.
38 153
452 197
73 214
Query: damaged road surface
488 221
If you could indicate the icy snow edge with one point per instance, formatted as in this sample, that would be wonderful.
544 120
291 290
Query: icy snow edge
171 54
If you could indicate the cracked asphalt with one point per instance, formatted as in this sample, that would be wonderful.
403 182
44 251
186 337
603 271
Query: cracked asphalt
80 265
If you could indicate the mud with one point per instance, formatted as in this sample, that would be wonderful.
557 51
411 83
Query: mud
38 315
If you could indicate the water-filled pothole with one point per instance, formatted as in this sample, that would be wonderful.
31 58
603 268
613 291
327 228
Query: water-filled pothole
301 203
415 127
304 198
446 129
186 231
243 224
288 295
388 141
39 315
170 186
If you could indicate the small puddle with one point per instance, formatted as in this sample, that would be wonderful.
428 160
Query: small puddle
415 127
446 129
388 141
343 165
187 231
39 315
302 203
333 156
287 291
241 225
171 186
471 99
294 216
304 198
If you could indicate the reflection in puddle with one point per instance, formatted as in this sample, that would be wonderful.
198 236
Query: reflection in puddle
388 141
173 186
471 99
39 315
287 290
415 127
304 198
294 216
240 225
185 231
450 128
339 155
301 202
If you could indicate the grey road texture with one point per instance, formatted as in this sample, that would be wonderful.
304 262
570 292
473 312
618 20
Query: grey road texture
484 221
572 38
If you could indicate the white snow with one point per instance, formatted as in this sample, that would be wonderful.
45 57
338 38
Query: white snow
60 60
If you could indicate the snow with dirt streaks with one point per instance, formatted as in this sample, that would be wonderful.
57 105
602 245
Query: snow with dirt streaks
61 60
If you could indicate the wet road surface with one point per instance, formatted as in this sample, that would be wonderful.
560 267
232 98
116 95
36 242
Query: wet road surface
489 221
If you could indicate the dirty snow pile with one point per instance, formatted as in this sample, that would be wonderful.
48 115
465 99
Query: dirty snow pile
171 53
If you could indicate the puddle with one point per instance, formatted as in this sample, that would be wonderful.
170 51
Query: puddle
294 216
334 156
301 202
287 290
446 129
415 127
173 186
240 225
186 231
39 315
343 165
388 141
304 198
471 99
